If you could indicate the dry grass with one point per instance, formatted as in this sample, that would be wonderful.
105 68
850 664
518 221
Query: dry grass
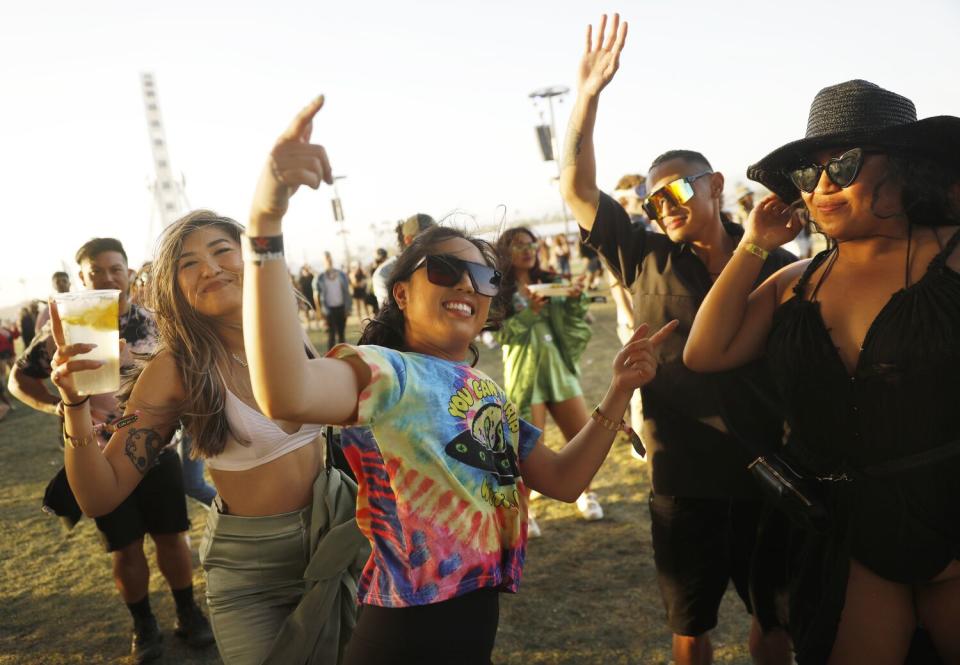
588 596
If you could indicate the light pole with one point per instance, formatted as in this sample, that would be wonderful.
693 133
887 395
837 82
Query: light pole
549 93
338 217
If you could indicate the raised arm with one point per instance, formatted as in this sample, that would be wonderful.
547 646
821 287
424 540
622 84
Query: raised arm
102 480
565 474
285 384
578 175
732 324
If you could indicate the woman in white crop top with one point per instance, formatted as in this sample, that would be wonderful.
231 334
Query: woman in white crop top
267 472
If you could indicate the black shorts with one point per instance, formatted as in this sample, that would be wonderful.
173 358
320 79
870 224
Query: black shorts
699 545
157 505
459 631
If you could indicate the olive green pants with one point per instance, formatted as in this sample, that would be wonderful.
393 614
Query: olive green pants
254 568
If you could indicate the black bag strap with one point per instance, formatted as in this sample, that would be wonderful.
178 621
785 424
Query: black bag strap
913 462
328 448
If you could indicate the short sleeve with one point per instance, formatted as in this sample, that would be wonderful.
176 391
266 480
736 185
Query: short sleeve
621 243
388 379
527 439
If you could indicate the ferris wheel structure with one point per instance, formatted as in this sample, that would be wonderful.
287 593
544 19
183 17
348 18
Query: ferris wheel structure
168 191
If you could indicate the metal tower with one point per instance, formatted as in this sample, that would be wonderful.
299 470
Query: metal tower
170 200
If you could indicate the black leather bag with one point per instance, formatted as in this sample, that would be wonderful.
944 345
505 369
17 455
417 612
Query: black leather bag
58 499
802 499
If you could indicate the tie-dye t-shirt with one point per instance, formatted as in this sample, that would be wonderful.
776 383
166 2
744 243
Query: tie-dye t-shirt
441 500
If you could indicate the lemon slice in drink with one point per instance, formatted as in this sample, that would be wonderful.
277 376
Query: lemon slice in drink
98 317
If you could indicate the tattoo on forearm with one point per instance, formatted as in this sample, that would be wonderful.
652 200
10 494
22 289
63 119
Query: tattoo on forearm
572 148
143 446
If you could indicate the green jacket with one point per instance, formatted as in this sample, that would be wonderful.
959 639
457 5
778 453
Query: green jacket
521 336
317 631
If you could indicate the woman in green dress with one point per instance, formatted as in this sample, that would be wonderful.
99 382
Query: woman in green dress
543 337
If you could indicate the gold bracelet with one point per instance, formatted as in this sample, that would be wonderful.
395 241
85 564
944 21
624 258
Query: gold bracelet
756 250
606 423
611 426
75 443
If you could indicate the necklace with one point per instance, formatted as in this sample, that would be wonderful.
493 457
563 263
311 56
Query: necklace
243 363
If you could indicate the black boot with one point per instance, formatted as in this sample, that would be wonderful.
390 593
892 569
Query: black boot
193 628
147 640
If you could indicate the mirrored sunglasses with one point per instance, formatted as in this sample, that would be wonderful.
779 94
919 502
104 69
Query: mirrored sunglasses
841 171
447 270
675 193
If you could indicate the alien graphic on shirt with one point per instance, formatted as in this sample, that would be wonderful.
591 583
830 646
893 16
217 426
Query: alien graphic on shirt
484 444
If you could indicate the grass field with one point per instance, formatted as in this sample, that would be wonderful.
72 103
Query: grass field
588 595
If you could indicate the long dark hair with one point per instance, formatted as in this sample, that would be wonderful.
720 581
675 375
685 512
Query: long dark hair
386 328
926 189
508 285
189 336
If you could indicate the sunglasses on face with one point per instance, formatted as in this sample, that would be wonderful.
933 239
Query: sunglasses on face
675 193
447 270
521 247
841 171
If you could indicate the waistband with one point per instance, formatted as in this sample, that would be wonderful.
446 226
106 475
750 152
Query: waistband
224 524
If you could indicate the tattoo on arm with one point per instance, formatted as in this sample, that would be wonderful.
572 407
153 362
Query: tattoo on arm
572 148
143 446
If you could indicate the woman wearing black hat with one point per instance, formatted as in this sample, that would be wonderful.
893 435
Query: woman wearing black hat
863 341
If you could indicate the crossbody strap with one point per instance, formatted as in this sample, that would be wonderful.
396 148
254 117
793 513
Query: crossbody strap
912 462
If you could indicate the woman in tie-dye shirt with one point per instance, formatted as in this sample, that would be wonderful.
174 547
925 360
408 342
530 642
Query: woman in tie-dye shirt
442 458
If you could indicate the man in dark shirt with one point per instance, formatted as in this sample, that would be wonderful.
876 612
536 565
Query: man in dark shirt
157 506
28 319
704 508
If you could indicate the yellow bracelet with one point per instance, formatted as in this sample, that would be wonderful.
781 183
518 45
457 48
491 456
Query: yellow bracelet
756 250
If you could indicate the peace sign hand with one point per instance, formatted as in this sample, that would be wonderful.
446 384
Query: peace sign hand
601 61
636 364
294 161
63 364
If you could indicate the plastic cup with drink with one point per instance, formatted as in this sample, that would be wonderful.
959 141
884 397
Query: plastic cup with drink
92 317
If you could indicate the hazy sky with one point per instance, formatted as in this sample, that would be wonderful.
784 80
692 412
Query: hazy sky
427 106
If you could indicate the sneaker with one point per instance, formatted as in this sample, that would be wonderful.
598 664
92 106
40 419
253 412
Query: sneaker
533 529
147 642
194 629
589 507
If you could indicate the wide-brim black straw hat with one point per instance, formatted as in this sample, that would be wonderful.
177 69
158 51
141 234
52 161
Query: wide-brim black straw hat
859 114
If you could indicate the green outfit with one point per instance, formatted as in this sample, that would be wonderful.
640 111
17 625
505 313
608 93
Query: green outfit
541 351
283 588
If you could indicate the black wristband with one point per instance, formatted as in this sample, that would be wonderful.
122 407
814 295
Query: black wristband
80 403
264 248
265 244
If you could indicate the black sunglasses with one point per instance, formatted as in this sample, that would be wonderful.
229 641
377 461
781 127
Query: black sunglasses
676 192
447 270
841 171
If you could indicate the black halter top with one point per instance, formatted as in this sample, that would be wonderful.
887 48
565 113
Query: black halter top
898 412
902 401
